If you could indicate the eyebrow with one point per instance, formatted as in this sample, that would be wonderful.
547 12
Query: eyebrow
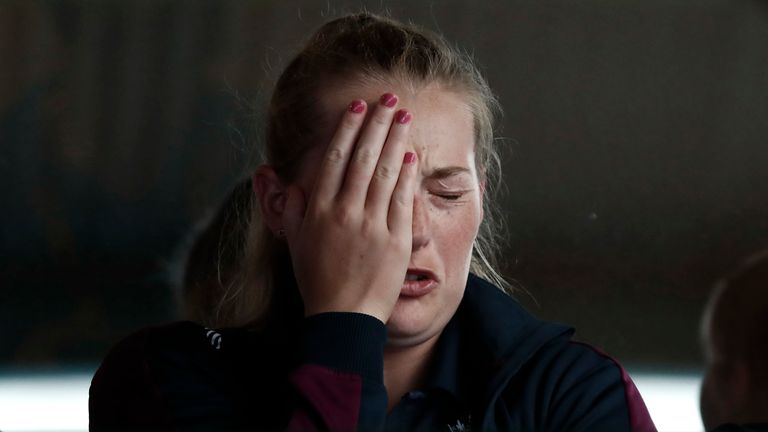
441 173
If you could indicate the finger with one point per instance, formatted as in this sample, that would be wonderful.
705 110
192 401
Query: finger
293 214
400 217
389 166
366 155
331 175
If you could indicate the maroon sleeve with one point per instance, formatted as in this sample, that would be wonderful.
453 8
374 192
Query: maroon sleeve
334 396
639 417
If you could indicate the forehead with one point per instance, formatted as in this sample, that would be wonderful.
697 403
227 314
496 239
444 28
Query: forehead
442 132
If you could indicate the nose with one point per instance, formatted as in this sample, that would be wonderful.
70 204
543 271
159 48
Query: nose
421 223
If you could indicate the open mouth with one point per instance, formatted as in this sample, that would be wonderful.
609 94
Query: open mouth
418 283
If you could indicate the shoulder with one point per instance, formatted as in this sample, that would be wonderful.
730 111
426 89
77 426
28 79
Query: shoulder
567 385
545 378
139 380
125 377
170 335
137 349
582 388
142 349
165 352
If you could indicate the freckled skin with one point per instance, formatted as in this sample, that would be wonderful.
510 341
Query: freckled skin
444 230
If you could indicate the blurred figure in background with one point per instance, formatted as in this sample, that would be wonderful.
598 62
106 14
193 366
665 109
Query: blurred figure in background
734 393
210 257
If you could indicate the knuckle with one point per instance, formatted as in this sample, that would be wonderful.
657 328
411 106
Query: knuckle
343 215
399 199
384 172
369 226
335 155
364 156
374 228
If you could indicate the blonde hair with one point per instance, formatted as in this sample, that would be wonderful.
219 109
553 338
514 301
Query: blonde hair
368 47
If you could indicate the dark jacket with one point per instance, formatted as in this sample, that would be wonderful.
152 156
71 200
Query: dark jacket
495 367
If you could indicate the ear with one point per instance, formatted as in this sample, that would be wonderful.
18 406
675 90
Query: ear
270 192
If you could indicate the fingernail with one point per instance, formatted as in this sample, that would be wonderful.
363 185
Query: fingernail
409 157
388 100
403 117
357 106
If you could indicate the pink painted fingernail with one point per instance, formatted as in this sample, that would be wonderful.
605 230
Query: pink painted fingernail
388 100
357 106
409 158
403 117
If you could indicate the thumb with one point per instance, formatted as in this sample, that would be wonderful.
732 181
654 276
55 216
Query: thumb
293 213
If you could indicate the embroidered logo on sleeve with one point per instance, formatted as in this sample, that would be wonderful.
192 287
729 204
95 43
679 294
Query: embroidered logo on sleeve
214 338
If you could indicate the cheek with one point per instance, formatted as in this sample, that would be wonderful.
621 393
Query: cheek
457 229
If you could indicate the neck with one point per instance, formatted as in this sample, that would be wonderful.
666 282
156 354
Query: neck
405 369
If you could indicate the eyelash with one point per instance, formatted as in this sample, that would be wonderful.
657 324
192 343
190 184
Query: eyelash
449 197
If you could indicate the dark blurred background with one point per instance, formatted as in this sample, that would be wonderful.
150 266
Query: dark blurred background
636 167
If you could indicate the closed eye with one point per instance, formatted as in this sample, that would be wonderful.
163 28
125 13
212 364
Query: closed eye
450 197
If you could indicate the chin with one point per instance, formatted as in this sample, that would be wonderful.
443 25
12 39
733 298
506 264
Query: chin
412 323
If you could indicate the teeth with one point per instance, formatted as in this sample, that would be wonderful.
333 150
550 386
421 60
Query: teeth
411 277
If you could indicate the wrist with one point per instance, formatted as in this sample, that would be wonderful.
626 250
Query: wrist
374 312
344 341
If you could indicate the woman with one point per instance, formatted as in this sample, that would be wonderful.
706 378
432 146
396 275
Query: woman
356 308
